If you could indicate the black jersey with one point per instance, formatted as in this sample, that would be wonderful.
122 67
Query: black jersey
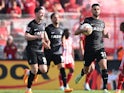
55 37
34 28
95 40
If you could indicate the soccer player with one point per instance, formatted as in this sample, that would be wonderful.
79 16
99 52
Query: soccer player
55 32
94 46
67 57
121 77
37 39
121 68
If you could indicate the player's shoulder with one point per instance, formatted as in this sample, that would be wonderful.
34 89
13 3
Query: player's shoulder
50 25
88 19
31 22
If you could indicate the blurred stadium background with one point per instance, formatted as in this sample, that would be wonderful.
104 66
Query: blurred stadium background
11 71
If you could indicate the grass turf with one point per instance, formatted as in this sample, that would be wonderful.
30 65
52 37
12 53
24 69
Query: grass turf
55 91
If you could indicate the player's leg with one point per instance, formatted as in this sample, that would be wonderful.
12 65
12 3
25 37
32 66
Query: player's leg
58 61
120 82
88 77
70 66
26 74
33 72
32 60
61 82
101 58
89 58
42 62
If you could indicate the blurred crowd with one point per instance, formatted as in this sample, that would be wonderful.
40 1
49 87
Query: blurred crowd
16 8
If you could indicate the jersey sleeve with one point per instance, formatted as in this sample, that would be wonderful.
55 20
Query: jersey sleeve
28 28
85 21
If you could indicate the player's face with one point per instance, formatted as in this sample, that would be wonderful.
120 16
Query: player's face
40 14
96 11
55 19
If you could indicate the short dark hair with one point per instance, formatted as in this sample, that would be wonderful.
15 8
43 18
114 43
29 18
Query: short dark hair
95 5
38 8
53 14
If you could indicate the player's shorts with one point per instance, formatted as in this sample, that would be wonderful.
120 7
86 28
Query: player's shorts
91 55
56 58
70 65
36 58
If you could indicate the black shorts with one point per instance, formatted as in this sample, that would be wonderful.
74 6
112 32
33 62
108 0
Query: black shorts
91 55
56 58
36 58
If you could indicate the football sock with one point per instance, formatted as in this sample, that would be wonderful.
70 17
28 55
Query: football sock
69 77
88 76
82 72
105 78
60 80
120 81
30 79
63 74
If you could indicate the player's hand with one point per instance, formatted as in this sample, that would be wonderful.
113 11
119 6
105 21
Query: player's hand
107 35
46 45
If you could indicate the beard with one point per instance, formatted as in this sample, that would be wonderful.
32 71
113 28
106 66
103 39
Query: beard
96 15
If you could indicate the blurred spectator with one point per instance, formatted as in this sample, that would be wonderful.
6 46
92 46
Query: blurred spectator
2 6
40 2
64 3
72 7
14 11
3 33
29 6
79 2
120 53
48 6
120 49
10 50
85 12
57 7
9 4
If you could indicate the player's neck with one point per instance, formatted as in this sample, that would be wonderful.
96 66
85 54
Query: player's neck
95 17
38 21
55 25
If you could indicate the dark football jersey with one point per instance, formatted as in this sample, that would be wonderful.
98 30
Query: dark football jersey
34 28
95 40
55 37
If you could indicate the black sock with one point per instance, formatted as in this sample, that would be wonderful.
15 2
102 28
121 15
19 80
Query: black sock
63 74
82 72
30 79
105 78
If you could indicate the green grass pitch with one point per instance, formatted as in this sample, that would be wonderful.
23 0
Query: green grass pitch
55 91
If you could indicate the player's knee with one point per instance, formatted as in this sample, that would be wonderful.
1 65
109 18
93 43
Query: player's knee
34 71
43 70
71 70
